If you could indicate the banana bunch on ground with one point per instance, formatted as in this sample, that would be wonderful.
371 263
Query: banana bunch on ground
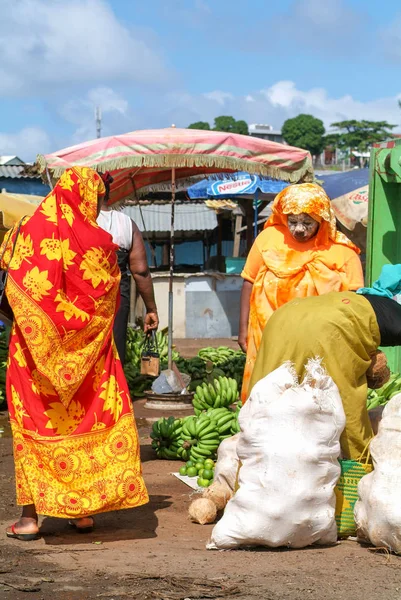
199 371
162 347
195 367
381 396
235 428
224 418
135 341
200 438
216 355
234 367
137 383
166 439
221 393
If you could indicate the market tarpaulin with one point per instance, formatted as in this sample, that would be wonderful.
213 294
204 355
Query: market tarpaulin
15 206
352 208
349 193
147 157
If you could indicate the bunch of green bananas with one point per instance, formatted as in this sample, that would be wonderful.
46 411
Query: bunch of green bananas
224 418
216 355
135 341
235 428
162 347
381 396
137 383
199 438
234 367
165 436
221 393
195 367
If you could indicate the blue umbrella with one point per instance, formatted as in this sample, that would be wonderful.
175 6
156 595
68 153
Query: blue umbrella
338 184
241 184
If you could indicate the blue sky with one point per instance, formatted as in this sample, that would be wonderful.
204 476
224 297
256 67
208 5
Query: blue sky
157 62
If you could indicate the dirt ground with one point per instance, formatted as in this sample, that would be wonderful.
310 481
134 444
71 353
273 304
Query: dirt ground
155 553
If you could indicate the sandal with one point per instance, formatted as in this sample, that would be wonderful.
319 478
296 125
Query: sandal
87 529
23 537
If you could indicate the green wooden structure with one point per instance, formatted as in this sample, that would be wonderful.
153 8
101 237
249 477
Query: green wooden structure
384 224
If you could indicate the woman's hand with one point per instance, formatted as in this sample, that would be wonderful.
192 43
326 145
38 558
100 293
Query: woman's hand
242 341
151 321
246 293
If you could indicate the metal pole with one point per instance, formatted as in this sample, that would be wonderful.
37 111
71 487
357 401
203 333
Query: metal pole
49 178
170 285
98 118
255 207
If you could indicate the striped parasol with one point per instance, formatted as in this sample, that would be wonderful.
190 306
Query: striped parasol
147 157
143 158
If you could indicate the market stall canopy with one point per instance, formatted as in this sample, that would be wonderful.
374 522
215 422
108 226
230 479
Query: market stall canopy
241 184
15 206
147 157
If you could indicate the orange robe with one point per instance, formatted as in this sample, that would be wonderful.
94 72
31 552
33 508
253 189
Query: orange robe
281 269
76 448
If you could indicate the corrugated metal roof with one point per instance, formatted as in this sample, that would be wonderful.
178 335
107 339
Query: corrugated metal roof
14 172
188 217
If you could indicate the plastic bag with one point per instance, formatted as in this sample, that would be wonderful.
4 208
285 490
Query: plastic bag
288 448
168 383
378 510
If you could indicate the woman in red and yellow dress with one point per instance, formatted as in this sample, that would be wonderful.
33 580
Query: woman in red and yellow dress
76 448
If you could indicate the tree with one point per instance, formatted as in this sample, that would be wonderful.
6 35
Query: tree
223 123
358 135
230 125
305 131
199 125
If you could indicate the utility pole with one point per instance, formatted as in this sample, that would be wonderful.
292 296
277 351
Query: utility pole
98 118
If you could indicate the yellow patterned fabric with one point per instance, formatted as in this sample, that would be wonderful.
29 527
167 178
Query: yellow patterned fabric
309 198
76 445
280 268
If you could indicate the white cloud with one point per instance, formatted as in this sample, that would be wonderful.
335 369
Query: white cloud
53 42
25 143
272 105
80 112
284 95
279 102
219 97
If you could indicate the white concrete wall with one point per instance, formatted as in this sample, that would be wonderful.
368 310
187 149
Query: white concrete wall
160 283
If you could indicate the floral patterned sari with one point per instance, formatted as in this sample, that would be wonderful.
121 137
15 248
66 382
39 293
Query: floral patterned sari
76 447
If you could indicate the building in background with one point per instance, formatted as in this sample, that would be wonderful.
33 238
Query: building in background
266 132
14 179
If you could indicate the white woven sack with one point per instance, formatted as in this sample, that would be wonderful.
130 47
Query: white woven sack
378 510
288 448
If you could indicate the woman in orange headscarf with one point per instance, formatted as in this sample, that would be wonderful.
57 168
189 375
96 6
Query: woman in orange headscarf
76 447
300 253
